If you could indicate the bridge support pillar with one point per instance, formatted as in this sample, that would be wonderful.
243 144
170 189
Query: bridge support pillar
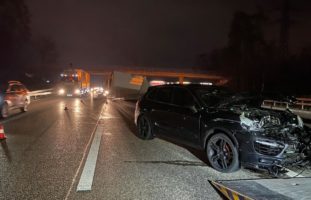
181 80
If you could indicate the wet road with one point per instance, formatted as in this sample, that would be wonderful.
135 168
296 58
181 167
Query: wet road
47 147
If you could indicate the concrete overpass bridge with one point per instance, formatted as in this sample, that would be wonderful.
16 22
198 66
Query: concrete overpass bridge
211 77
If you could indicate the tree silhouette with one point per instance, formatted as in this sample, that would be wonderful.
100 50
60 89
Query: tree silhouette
14 31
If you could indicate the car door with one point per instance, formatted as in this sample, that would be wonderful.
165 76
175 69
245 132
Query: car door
12 96
20 95
186 116
160 112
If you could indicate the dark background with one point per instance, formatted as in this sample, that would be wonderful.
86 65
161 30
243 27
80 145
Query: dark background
259 44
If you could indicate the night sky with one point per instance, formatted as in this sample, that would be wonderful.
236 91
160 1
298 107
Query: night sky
97 33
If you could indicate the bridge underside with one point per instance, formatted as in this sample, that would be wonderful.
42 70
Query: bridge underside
181 76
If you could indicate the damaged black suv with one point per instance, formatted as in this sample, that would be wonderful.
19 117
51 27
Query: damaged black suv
233 129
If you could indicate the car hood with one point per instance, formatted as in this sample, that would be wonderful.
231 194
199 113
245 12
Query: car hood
252 100
252 115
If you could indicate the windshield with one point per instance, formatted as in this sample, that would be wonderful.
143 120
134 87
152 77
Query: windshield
213 97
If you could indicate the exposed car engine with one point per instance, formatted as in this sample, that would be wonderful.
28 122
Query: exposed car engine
290 137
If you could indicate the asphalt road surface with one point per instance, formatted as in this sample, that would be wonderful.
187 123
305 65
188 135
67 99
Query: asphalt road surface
49 151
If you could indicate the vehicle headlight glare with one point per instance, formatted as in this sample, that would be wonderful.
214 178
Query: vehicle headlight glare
61 91
77 91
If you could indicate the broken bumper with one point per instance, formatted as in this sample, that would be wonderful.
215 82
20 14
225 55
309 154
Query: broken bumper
262 153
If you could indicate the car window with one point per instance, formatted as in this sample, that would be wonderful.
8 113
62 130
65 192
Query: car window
163 95
15 88
152 94
182 97
211 98
22 87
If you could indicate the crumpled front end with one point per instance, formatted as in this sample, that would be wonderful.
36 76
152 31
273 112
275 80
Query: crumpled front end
273 139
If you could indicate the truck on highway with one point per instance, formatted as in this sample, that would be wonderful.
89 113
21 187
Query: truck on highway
126 85
74 82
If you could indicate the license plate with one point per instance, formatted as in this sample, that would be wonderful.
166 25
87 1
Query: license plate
69 95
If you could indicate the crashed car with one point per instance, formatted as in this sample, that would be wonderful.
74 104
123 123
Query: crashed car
233 129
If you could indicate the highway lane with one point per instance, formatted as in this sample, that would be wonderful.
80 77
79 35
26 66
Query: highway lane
130 168
46 146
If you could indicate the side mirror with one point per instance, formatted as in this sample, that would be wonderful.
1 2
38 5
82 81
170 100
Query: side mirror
194 108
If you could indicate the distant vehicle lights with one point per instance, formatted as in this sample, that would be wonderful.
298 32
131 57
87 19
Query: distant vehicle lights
77 91
97 89
157 82
72 75
61 91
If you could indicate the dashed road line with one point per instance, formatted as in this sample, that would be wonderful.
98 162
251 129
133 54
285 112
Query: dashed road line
86 179
83 157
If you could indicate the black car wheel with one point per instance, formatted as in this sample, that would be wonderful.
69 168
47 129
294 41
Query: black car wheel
222 154
144 128
5 110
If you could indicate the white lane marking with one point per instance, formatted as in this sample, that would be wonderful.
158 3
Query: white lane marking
107 116
83 157
291 173
107 133
86 179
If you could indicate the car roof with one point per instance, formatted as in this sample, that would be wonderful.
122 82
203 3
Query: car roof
14 82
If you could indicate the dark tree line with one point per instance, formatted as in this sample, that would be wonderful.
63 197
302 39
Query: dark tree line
14 32
23 56
256 64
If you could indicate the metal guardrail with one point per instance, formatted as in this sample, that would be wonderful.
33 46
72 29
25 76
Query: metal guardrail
301 104
37 93
302 107
304 103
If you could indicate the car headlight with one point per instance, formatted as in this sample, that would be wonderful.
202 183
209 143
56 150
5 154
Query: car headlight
249 124
300 121
77 91
61 91
256 125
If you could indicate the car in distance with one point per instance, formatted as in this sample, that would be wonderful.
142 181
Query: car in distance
233 129
13 95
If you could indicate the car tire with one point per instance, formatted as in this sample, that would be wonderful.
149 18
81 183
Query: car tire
5 110
144 128
25 108
222 154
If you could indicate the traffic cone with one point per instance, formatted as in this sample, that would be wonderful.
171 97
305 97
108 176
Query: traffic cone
2 135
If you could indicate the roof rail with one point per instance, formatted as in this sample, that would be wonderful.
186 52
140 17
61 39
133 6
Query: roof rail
14 81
